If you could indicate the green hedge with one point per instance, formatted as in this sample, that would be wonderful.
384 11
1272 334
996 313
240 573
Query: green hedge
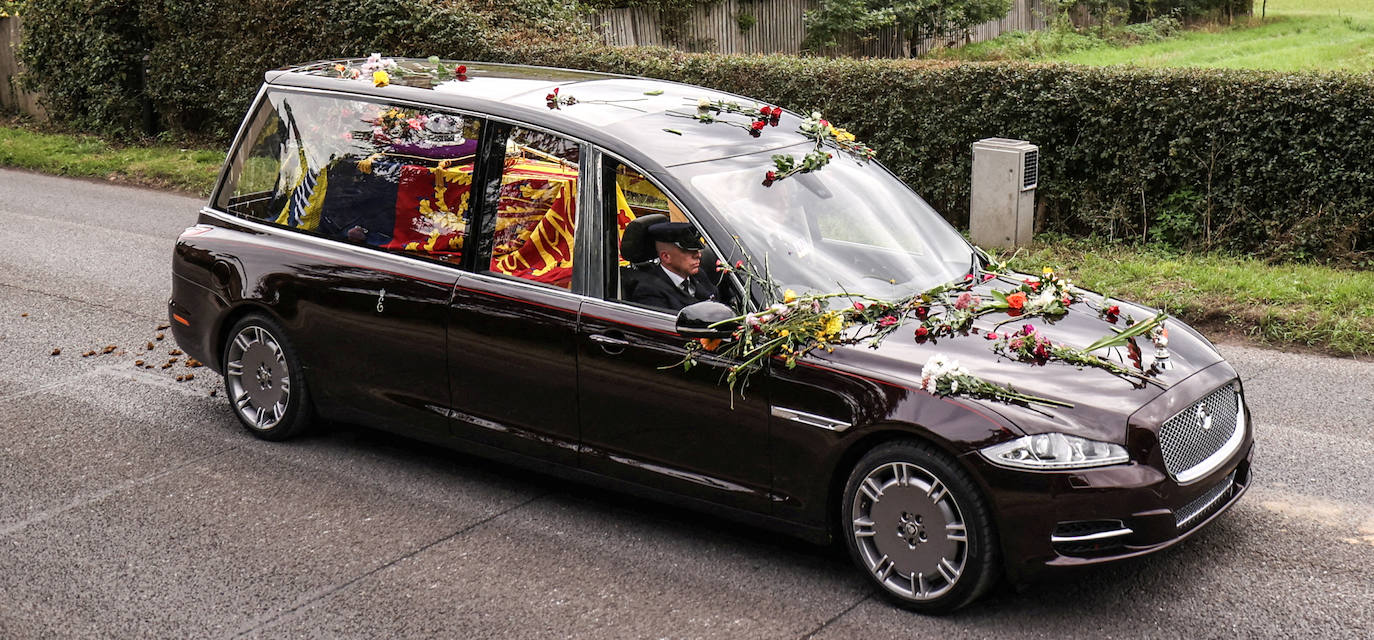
205 59
1255 162
1269 163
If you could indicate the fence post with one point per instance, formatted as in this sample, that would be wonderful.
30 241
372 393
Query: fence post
12 97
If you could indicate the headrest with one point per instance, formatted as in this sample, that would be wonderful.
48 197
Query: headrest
635 244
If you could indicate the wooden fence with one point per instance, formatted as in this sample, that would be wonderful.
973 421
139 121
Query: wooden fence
778 28
12 98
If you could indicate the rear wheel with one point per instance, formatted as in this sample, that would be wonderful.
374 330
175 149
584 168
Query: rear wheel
263 379
918 528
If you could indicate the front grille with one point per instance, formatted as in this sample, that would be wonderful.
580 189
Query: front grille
1197 432
1205 504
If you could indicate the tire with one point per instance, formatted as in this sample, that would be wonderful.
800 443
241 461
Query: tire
263 379
918 527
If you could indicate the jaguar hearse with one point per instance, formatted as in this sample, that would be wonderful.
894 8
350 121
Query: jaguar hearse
460 253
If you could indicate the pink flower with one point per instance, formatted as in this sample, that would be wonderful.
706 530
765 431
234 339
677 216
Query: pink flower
858 306
968 276
1067 301
825 123
1015 343
739 264
887 321
1028 329
988 276
990 336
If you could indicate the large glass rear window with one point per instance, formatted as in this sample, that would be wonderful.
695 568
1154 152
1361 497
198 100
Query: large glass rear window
387 176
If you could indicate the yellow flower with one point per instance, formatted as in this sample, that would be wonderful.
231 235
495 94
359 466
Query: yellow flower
789 296
1047 271
381 78
834 325
784 333
842 135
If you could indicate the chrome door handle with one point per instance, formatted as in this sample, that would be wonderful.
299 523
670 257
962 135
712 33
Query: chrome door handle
607 340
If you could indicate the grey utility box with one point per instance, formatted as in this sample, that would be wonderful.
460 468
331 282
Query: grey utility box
1002 201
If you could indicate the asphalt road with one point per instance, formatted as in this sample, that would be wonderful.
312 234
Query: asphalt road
133 505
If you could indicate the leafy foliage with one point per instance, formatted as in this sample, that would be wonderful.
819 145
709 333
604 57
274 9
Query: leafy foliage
916 20
205 59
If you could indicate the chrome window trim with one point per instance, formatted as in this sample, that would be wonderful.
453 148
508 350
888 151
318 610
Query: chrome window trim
1089 537
623 307
1210 463
810 419
275 230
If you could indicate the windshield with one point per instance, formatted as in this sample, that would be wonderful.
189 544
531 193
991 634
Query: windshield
849 226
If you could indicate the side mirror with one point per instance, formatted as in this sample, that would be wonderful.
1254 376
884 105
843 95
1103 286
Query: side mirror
695 320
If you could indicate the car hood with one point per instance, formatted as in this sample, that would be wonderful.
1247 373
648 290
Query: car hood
1102 401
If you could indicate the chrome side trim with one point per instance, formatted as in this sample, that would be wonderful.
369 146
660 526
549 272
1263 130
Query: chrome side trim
1088 537
1210 463
810 419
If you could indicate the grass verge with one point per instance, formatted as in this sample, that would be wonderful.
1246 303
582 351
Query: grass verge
1319 307
162 166
1323 308
1295 35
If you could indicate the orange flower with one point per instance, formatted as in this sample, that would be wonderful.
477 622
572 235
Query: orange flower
710 344
1016 301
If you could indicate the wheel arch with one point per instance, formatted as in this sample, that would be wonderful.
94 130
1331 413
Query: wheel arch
230 318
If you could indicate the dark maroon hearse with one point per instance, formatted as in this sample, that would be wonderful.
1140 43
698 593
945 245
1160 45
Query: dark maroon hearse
453 253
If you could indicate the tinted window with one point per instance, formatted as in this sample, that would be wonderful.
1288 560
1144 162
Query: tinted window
391 177
536 213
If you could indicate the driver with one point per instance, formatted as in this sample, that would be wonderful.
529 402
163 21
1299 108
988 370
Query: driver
678 281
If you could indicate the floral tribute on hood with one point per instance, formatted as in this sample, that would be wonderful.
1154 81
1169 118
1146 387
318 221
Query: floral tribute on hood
757 118
794 325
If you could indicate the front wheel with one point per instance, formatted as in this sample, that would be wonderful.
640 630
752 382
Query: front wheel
919 528
263 379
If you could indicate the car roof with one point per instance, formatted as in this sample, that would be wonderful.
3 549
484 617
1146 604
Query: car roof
628 115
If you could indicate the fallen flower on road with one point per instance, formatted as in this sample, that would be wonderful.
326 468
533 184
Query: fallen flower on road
57 352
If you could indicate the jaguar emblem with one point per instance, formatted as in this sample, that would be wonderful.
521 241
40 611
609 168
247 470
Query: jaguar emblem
1205 417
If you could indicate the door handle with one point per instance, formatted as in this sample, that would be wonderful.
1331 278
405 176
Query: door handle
608 341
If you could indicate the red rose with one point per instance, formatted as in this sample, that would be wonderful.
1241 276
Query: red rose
1067 301
765 111
461 70
777 113
825 123
921 332
770 176
968 276
758 125
991 336
1113 310
921 312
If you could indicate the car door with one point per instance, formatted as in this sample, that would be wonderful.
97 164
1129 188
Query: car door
513 318
644 418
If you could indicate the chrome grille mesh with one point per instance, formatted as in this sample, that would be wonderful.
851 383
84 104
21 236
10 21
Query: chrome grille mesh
1186 439
1204 504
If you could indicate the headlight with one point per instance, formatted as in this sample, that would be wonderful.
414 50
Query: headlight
1047 451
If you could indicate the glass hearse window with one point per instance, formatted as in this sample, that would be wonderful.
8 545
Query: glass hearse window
391 177
536 212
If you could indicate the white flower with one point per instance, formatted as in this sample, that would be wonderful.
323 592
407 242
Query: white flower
703 103
1046 298
816 115
954 386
